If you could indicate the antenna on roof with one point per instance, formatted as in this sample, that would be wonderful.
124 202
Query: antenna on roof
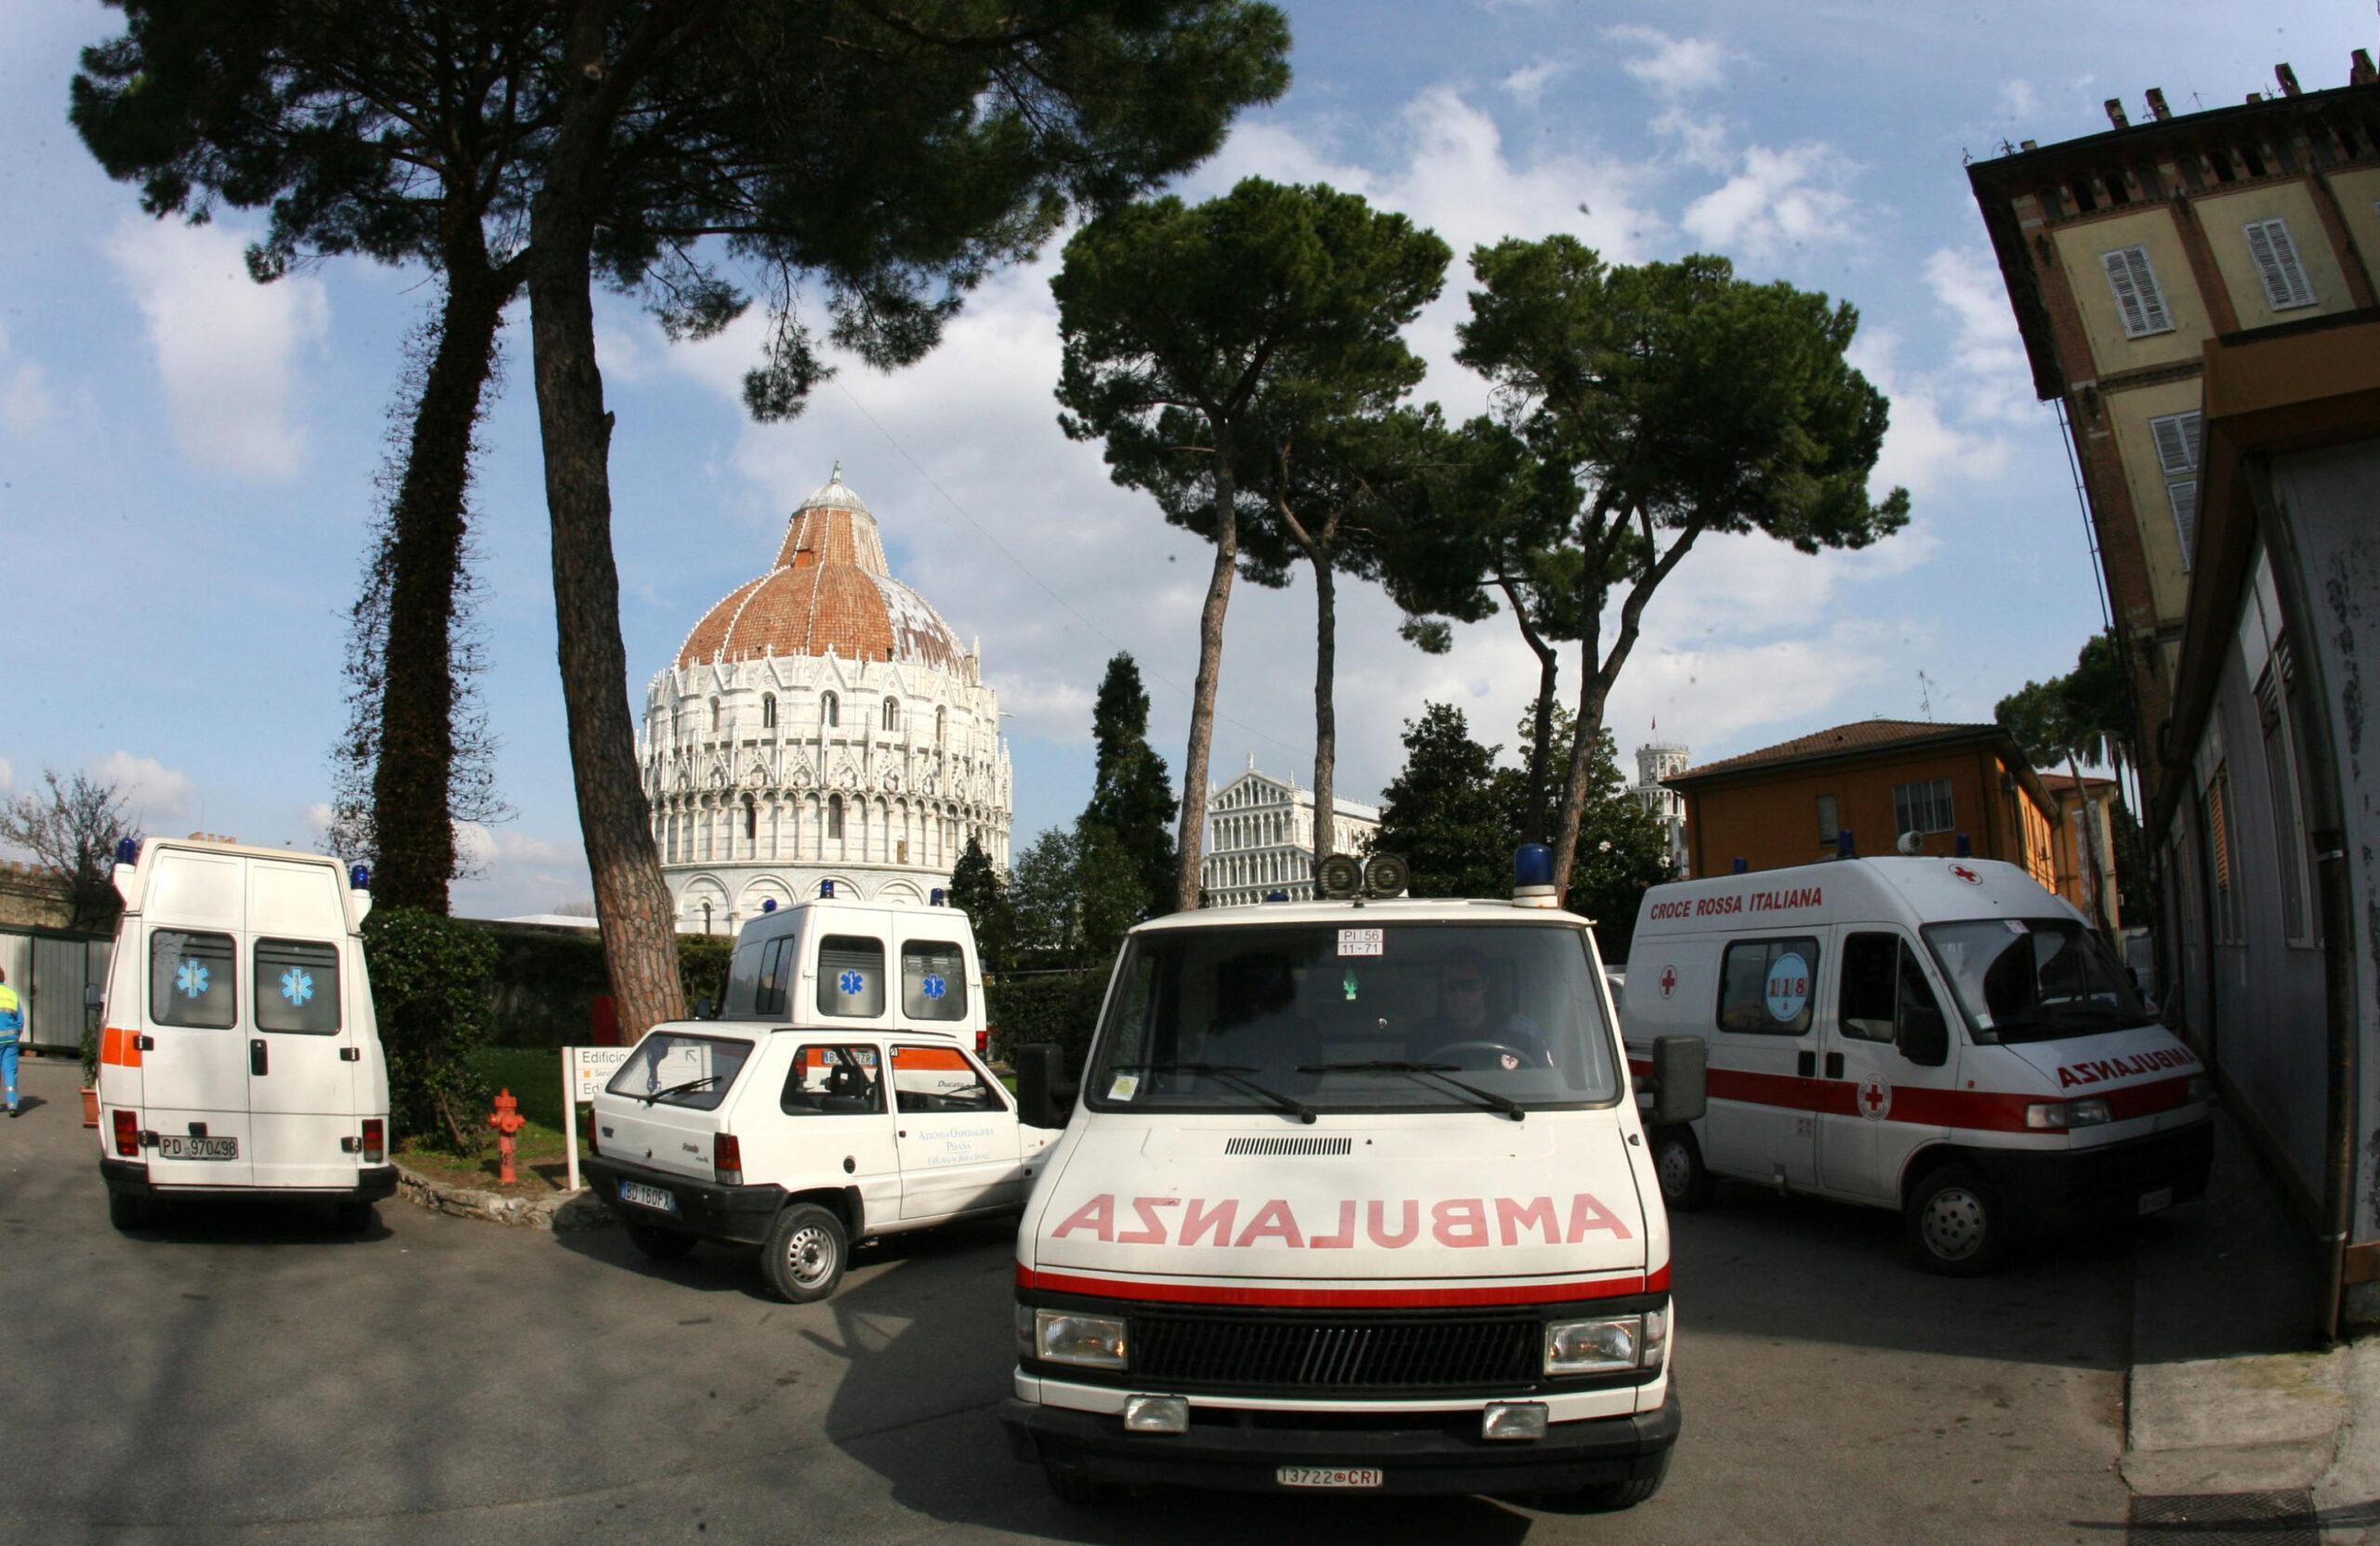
1926 697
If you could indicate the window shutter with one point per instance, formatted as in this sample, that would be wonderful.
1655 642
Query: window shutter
2177 436
2183 496
2284 276
2135 283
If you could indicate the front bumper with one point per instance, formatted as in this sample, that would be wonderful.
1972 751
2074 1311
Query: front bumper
2054 1188
739 1215
130 1178
1415 1452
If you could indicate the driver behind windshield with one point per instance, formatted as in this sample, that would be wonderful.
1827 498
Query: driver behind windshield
1472 1026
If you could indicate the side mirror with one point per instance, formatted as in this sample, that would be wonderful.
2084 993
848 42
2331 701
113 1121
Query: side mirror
1680 1092
703 1008
1924 1037
1045 1098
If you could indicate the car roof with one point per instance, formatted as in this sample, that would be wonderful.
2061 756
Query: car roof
1368 914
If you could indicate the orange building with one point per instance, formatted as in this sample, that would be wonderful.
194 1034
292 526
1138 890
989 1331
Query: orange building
1790 804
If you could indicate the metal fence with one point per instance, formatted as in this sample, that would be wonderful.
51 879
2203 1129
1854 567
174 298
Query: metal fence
62 977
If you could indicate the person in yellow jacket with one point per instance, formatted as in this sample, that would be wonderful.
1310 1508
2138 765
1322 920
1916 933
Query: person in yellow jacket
12 1028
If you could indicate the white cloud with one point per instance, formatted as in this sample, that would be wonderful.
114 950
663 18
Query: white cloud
7 775
2018 99
228 350
1673 66
514 872
1987 353
1788 197
154 792
1528 82
27 405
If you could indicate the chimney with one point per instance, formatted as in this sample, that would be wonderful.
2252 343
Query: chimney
2288 79
2115 114
2359 71
2157 106
2030 145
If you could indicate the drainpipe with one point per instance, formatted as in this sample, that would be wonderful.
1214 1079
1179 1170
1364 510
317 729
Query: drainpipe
2327 826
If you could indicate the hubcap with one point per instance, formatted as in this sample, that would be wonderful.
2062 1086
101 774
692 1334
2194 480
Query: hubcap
1953 1223
1676 1169
811 1256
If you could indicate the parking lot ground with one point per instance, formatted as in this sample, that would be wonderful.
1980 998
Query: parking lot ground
247 1374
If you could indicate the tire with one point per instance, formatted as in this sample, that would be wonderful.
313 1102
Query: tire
1076 1490
802 1259
1678 1161
1612 1496
128 1212
1956 1225
659 1243
352 1218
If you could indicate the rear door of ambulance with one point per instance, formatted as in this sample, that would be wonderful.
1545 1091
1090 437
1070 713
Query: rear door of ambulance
958 1130
194 1061
303 1050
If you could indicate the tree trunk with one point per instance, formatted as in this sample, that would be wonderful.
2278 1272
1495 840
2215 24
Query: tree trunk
1594 689
1326 716
631 901
1541 749
1192 837
412 814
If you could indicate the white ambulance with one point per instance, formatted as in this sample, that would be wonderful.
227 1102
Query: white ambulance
1943 1037
238 1053
841 1096
1353 1196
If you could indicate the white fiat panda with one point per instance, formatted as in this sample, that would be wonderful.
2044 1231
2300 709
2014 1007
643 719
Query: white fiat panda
841 1096
239 1056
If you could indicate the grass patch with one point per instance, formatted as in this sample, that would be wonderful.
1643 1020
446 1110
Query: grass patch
541 1157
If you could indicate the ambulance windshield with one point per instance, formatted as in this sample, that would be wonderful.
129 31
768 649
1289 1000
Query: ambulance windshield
2034 979
1299 1016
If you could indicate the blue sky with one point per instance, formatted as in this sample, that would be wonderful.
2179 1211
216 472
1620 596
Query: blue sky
187 459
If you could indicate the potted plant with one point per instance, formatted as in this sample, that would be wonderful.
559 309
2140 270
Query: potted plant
91 1076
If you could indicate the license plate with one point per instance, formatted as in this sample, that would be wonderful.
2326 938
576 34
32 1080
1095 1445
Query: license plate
1328 1475
650 1196
2151 1202
172 1146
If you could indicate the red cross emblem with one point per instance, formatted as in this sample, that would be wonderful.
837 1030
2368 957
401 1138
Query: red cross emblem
1970 876
1875 1099
1669 981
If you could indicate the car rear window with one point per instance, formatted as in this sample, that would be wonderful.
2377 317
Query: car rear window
673 1068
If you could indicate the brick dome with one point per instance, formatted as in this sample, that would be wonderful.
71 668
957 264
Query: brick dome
830 591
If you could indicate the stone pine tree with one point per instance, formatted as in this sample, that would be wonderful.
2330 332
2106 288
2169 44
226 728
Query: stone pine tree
1130 797
1683 402
1441 814
1185 327
406 131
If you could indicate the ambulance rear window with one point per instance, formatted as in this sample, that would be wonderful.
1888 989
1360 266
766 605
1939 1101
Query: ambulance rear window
934 980
193 980
297 987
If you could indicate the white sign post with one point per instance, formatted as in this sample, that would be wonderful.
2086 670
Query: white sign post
584 1071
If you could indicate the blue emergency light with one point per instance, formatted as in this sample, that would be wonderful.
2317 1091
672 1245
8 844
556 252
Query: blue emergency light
359 878
827 890
1966 849
1743 865
1532 866
1277 896
127 851
1844 847
934 897
768 904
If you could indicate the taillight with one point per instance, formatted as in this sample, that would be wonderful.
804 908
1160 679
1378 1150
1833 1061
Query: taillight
127 1134
984 1042
727 1160
376 1141
593 1147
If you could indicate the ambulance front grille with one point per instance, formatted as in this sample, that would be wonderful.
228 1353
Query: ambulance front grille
1289 1146
1334 1353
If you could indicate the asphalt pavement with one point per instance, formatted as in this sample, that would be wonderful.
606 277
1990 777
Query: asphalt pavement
246 1374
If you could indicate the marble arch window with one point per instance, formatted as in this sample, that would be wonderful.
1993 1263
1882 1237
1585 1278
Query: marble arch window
834 818
768 711
830 710
714 716
751 818
891 713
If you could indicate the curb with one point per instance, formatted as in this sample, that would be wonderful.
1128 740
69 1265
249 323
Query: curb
571 1210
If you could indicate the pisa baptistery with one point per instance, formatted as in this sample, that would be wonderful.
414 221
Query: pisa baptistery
821 723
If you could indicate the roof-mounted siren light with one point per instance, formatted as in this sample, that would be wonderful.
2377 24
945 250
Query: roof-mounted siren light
1966 848
1339 876
1533 876
127 866
1386 875
934 897
768 904
1844 847
1742 865
1910 842
826 891
359 889
1277 896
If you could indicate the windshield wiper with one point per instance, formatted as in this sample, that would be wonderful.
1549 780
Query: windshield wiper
1229 1073
680 1089
1437 1071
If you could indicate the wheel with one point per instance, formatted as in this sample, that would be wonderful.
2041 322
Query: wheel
659 1243
1075 1489
1955 1223
1677 1160
352 1218
126 1211
1611 1497
803 1257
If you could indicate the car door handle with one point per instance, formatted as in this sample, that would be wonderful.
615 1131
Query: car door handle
1834 1066
144 1043
351 1055
1806 1064
257 1062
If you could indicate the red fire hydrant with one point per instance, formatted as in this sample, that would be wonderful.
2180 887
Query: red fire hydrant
507 1121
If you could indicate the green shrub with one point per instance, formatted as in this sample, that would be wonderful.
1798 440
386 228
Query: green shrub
430 988
702 968
1060 1007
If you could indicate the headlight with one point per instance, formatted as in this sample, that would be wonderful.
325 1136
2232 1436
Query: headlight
2057 1115
1593 1346
1065 1337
